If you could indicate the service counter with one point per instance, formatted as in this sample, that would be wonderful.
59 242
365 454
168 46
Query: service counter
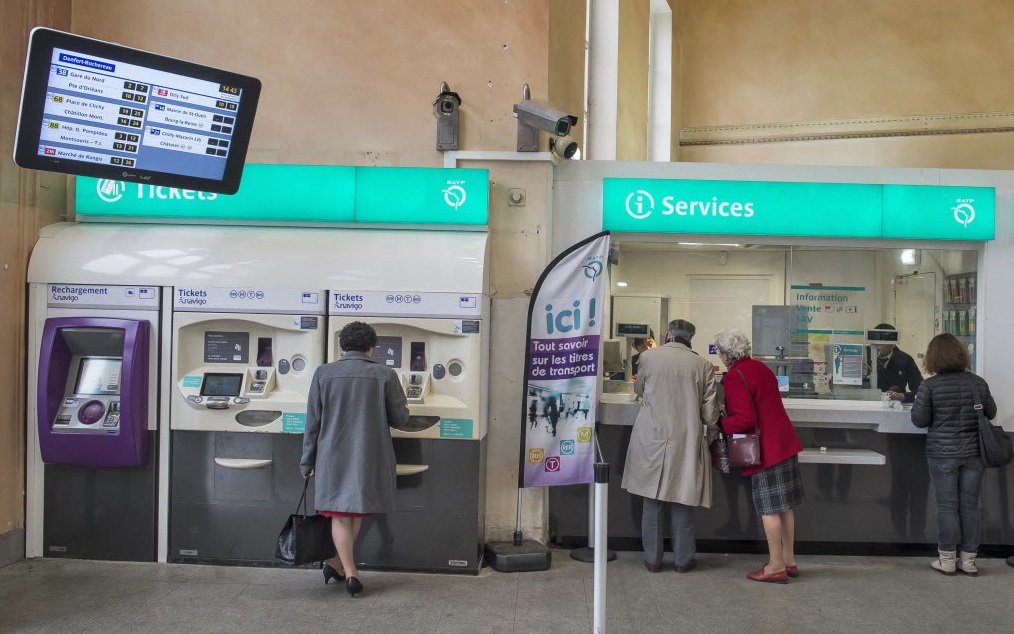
864 474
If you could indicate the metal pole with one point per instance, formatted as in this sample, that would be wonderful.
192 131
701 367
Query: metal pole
601 554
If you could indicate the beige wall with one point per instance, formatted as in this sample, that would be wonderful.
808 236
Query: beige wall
859 65
632 81
28 201
566 60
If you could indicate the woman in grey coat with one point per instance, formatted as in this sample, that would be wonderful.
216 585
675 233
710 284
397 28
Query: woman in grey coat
668 463
347 443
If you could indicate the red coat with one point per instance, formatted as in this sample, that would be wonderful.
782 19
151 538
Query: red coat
778 437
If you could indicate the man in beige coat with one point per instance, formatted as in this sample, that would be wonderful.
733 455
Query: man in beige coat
668 463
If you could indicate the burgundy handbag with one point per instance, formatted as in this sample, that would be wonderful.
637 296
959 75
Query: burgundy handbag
745 451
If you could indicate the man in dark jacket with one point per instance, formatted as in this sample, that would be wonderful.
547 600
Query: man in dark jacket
897 372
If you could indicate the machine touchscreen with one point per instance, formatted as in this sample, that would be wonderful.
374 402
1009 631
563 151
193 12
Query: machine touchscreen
216 384
98 375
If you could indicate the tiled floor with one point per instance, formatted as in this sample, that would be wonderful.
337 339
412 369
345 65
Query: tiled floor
832 594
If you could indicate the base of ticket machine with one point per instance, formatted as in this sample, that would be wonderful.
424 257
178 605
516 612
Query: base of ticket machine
440 523
231 494
105 513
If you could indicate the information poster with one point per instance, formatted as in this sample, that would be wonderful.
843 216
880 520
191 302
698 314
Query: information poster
848 364
562 369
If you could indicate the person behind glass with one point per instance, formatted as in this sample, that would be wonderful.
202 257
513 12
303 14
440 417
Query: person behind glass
668 463
640 345
347 444
946 406
752 400
898 376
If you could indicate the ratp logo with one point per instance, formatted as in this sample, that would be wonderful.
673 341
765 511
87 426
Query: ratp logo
639 204
964 214
455 196
593 269
110 190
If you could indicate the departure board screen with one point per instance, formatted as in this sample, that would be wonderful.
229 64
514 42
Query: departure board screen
98 109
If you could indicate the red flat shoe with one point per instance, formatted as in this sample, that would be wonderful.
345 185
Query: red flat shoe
775 577
792 571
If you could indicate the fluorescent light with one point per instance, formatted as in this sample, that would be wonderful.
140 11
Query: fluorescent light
708 244
909 256
621 284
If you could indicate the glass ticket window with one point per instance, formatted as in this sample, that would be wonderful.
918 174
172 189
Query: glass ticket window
807 310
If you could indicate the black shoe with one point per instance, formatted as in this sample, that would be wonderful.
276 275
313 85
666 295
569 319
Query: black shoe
691 565
353 585
330 573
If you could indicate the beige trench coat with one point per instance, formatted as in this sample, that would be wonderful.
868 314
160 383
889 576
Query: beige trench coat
668 457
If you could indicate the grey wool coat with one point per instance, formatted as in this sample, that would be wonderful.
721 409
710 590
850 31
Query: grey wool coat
668 457
351 406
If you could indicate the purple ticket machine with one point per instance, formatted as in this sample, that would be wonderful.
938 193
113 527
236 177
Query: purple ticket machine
93 392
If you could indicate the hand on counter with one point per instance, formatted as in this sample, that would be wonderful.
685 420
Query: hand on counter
896 396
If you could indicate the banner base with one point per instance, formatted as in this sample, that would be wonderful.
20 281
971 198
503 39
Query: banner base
528 556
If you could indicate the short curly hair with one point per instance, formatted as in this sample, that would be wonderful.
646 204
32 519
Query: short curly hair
357 336
734 343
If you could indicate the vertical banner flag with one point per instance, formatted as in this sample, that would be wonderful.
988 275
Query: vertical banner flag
562 367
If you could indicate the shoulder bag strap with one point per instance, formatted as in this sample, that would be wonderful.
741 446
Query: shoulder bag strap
302 500
756 418
975 397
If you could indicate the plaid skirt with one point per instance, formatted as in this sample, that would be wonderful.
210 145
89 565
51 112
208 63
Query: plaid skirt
777 488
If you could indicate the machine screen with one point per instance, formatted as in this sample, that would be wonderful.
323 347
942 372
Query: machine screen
98 375
388 351
221 384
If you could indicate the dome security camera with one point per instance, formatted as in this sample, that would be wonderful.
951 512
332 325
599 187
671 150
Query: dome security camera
565 148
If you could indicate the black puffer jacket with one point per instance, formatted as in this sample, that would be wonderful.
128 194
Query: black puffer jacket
945 404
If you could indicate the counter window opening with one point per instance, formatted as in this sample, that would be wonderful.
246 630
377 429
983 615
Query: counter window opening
816 315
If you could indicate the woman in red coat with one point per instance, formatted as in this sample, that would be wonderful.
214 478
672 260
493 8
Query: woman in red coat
752 400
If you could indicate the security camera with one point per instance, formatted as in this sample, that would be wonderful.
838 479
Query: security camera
565 148
533 116
544 118
445 109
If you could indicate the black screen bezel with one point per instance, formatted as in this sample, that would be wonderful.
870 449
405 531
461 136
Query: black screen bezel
231 375
42 41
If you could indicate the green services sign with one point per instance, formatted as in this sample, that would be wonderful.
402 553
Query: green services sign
840 210
304 194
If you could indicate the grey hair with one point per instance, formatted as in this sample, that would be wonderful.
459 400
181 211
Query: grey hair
681 329
734 343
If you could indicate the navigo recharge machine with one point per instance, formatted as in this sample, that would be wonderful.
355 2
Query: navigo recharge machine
243 361
438 343
93 376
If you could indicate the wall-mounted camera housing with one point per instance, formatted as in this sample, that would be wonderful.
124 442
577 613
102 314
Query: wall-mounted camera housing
445 109
533 116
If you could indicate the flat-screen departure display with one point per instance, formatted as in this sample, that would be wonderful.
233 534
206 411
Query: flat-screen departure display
220 384
98 375
99 109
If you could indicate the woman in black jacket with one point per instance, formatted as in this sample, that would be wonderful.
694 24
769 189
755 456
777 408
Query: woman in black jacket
945 403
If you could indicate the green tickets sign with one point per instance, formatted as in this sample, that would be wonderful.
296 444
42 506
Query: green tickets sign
839 210
304 193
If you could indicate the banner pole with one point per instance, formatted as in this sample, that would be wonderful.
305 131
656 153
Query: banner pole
601 552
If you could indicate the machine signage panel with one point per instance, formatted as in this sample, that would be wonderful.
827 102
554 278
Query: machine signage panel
405 304
92 296
295 193
456 427
294 422
250 300
838 210
413 195
307 194
226 347
939 213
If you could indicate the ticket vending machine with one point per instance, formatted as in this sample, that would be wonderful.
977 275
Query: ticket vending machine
243 361
92 403
438 344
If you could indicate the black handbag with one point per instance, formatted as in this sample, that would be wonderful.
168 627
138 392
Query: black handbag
305 538
996 447
745 451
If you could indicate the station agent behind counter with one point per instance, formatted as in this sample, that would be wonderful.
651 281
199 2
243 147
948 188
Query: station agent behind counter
896 370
